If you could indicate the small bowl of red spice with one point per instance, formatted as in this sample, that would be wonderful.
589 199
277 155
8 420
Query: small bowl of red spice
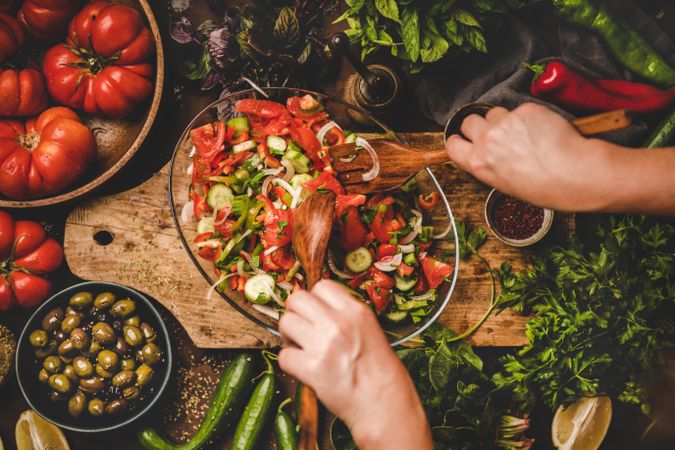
516 222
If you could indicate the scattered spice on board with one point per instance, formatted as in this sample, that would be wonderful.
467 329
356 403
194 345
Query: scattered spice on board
516 219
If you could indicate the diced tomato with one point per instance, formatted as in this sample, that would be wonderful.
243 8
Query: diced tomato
421 285
405 270
381 279
280 259
200 205
225 227
266 156
278 227
428 201
209 139
232 160
354 283
280 193
325 181
237 283
386 250
435 271
351 230
379 296
344 202
241 136
305 107
262 108
202 237
307 140
384 222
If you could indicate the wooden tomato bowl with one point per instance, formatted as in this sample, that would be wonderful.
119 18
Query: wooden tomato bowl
117 140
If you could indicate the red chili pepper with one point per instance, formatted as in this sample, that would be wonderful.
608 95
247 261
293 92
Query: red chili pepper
561 85
428 201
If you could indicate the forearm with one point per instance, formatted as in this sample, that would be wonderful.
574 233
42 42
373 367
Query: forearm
636 180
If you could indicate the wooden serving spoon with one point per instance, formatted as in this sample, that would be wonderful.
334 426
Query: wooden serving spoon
312 225
399 162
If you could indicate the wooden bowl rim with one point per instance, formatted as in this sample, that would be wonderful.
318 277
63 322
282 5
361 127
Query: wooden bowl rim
135 146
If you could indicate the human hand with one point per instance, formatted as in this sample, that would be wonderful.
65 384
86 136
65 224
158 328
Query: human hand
335 345
536 155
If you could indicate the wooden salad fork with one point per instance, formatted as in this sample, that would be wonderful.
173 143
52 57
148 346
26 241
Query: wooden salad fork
312 225
398 162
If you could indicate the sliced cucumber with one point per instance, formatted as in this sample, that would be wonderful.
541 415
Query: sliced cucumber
239 124
409 305
299 161
358 260
206 225
258 288
300 179
231 244
244 146
396 316
276 143
405 283
350 138
219 196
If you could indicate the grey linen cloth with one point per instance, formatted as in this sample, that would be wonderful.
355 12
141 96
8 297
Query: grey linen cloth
499 77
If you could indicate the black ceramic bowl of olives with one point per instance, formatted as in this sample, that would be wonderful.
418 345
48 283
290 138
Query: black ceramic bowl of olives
94 357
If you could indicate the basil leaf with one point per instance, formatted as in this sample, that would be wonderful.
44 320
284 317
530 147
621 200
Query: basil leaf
197 71
476 39
286 28
410 33
466 18
438 47
388 8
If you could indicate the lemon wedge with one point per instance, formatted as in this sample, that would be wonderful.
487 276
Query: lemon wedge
35 433
582 425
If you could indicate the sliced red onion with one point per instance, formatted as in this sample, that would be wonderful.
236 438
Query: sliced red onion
248 259
213 243
324 129
284 184
249 192
279 301
430 293
290 170
187 213
213 287
417 228
265 188
389 263
255 86
299 277
421 256
375 170
340 273
285 285
347 159
407 248
443 233
240 269
276 171
220 221
272 249
267 310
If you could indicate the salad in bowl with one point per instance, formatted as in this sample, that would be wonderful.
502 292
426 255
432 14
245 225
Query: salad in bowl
244 173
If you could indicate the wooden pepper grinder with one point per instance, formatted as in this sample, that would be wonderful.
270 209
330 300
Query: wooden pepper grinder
374 87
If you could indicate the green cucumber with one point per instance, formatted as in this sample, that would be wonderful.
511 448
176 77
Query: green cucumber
219 196
404 283
284 429
244 146
664 132
229 248
350 138
396 316
276 144
206 225
239 124
410 259
258 288
299 161
300 179
224 406
255 414
405 304
358 260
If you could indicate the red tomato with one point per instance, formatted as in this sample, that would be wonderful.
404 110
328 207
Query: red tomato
435 271
27 253
279 260
278 227
307 140
306 107
46 20
386 250
325 181
209 139
379 296
384 222
22 93
405 270
265 155
351 230
6 6
381 279
428 201
344 202
199 206
11 36
104 67
264 109
45 155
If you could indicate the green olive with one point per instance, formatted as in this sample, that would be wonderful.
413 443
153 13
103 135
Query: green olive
96 407
124 378
47 350
60 383
133 335
66 359
70 311
38 338
91 385
143 374
52 364
79 338
76 404
104 300
69 371
122 308
43 376
81 300
121 347
66 348
83 367
131 392
148 332
93 349
151 354
116 406
107 359
56 396
133 320
71 322
103 373
53 319
128 364
103 333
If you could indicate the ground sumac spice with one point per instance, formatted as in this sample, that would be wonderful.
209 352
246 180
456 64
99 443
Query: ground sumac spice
516 219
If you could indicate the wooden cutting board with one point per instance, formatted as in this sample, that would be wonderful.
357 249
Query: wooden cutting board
130 238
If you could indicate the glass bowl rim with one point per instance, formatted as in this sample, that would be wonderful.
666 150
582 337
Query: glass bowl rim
174 213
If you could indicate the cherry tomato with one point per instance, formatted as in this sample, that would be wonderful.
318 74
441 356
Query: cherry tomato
435 271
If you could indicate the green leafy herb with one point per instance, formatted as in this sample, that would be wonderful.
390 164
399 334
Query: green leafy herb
240 205
282 225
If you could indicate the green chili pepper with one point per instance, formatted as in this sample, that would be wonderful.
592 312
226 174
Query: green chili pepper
664 132
240 222
253 213
631 49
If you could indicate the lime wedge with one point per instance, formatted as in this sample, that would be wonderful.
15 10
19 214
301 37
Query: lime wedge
582 425
35 433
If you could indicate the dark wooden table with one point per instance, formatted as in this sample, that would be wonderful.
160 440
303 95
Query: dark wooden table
197 371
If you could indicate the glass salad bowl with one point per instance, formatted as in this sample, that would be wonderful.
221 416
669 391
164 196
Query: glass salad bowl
398 327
